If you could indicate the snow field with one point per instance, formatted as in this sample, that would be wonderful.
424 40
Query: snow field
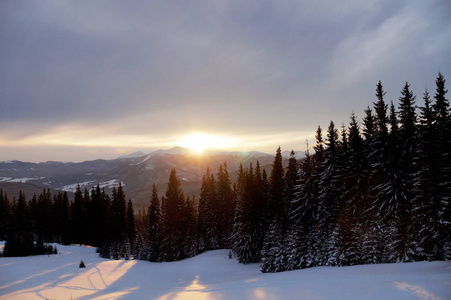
211 275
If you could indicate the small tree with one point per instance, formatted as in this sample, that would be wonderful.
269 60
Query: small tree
82 264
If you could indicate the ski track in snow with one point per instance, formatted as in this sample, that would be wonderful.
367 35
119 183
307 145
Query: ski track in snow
211 275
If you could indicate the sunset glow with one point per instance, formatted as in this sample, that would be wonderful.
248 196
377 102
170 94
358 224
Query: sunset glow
199 142
221 75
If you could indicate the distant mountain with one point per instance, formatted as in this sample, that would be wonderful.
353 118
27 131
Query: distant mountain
132 155
137 172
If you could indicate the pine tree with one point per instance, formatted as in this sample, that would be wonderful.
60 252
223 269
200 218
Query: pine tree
191 239
130 224
299 247
273 257
44 223
393 120
381 112
138 249
330 189
98 217
314 255
208 213
61 218
118 215
78 217
172 220
383 163
226 202
368 122
249 223
441 175
292 178
19 240
427 200
404 246
278 206
4 215
155 220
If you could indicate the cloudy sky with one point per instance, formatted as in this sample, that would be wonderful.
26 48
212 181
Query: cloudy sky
97 79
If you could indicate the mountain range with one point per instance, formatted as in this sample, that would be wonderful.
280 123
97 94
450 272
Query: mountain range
136 172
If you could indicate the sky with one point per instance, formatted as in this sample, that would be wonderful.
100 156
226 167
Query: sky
82 80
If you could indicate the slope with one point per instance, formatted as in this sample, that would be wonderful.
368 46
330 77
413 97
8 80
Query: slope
212 275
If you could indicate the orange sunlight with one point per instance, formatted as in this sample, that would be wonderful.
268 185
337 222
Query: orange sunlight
199 142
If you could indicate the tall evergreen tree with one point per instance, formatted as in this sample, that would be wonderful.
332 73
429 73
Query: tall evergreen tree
209 213
191 238
79 217
330 189
98 216
441 175
155 219
19 240
61 218
403 179
130 224
249 224
427 200
226 202
278 206
118 215
4 215
172 220
44 224
292 178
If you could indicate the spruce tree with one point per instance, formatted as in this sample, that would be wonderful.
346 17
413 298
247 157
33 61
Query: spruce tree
427 200
19 240
441 176
226 202
278 206
330 189
78 217
404 246
249 226
292 178
154 213
191 238
118 215
208 213
130 224
44 224
4 215
172 220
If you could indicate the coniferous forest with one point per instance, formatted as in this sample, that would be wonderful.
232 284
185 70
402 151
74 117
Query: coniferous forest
376 190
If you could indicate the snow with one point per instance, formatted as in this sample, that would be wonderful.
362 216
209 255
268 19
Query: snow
145 159
110 183
211 275
132 155
19 180
73 187
92 183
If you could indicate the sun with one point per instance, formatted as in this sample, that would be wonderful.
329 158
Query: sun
199 142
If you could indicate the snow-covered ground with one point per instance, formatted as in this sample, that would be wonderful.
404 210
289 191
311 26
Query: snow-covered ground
211 275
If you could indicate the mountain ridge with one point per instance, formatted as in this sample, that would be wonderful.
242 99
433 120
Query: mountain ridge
134 171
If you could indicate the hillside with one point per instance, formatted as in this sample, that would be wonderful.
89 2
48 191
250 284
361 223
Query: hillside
59 277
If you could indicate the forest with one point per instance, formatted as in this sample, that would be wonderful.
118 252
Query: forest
373 191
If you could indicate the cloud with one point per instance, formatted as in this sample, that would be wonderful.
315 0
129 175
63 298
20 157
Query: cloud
102 69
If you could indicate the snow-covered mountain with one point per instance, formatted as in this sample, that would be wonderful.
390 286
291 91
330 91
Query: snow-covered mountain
132 155
137 172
